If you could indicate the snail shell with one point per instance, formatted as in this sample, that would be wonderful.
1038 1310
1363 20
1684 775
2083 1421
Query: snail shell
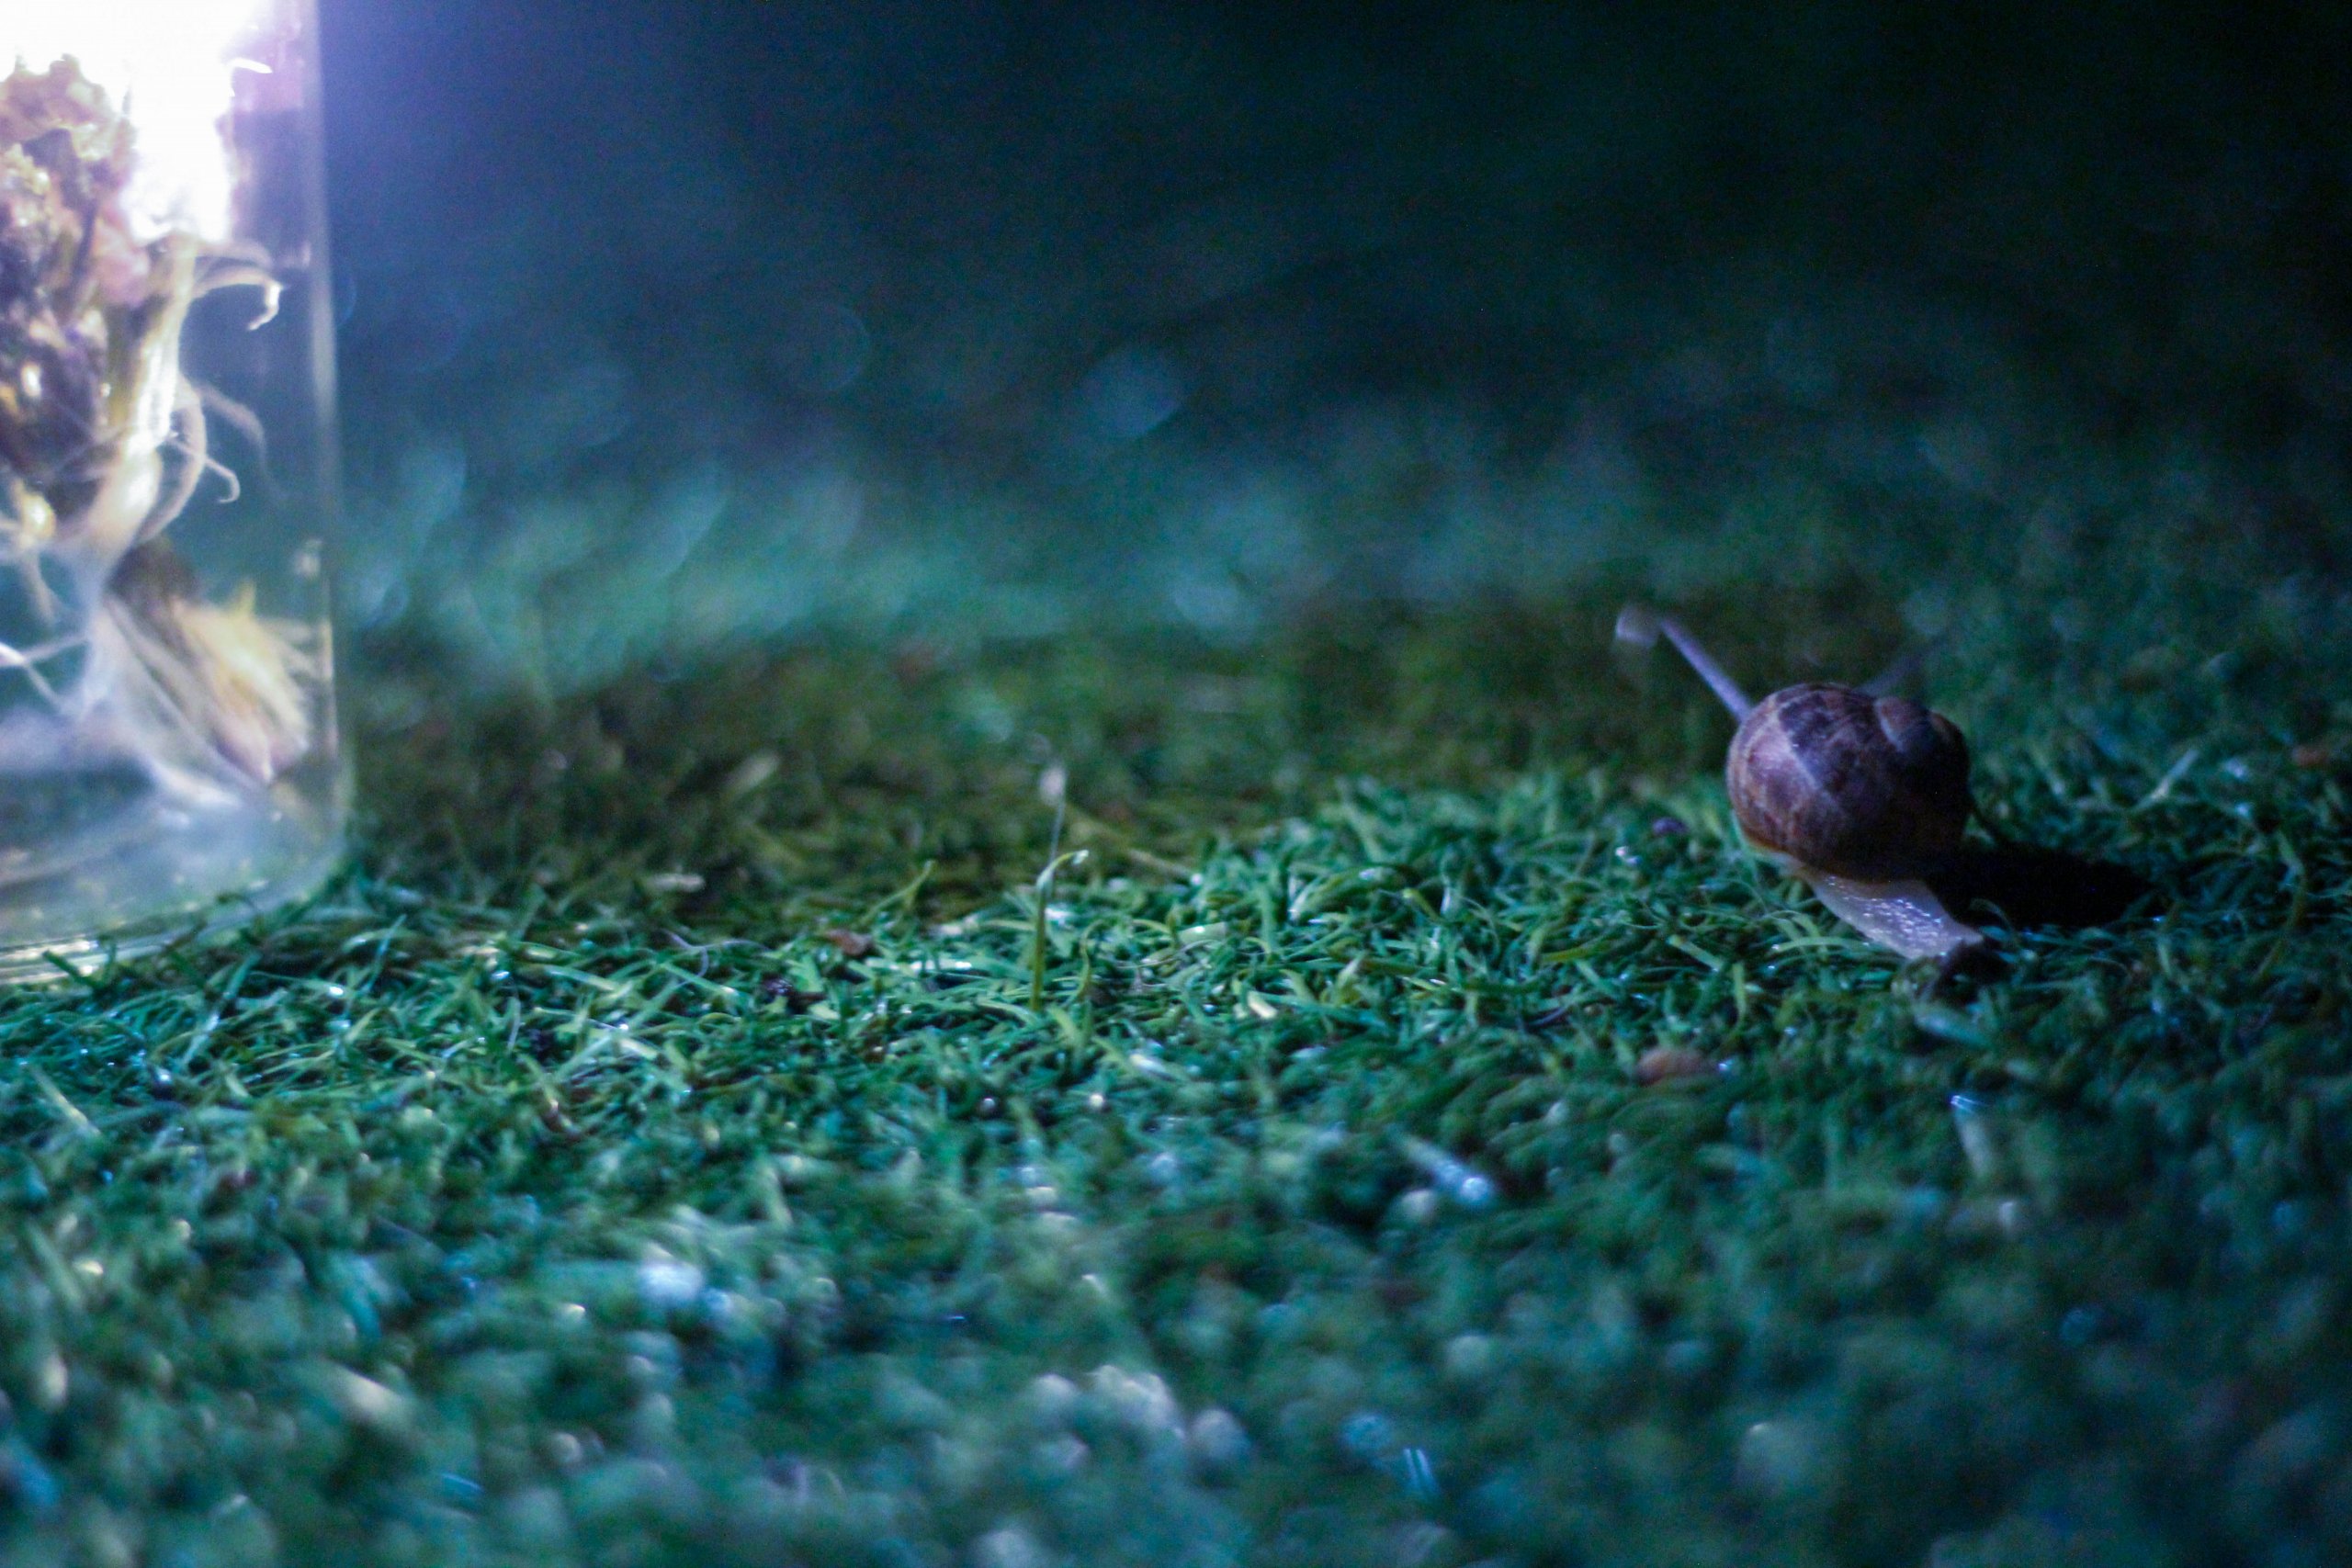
1836 781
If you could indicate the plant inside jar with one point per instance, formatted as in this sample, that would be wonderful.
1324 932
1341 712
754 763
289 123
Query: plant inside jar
119 679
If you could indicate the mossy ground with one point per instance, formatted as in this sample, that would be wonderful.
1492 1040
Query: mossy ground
670 1142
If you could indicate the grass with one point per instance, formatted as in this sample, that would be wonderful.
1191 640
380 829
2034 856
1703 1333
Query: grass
694 1130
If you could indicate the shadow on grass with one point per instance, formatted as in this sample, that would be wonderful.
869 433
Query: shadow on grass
2023 886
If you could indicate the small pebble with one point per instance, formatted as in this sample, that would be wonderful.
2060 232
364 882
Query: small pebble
1668 828
853 945
1665 1064
1218 1443
1418 1207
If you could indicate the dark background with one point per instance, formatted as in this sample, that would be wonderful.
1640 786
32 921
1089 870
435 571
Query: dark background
667 326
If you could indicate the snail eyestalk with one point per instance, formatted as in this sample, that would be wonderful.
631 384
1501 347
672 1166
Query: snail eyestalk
1642 628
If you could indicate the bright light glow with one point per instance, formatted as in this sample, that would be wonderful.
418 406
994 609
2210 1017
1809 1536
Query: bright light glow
170 63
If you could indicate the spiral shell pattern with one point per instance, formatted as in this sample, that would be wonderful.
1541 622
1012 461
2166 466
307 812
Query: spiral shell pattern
1874 788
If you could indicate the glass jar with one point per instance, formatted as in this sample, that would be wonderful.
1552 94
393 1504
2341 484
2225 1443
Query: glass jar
167 466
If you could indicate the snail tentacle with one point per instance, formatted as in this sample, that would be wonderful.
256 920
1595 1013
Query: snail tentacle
1643 628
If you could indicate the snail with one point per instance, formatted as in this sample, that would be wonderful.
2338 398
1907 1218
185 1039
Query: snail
1860 795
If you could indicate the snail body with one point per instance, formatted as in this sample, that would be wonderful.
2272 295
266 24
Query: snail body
1861 796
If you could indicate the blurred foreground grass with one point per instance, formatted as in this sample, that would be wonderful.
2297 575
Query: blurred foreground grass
672 1143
